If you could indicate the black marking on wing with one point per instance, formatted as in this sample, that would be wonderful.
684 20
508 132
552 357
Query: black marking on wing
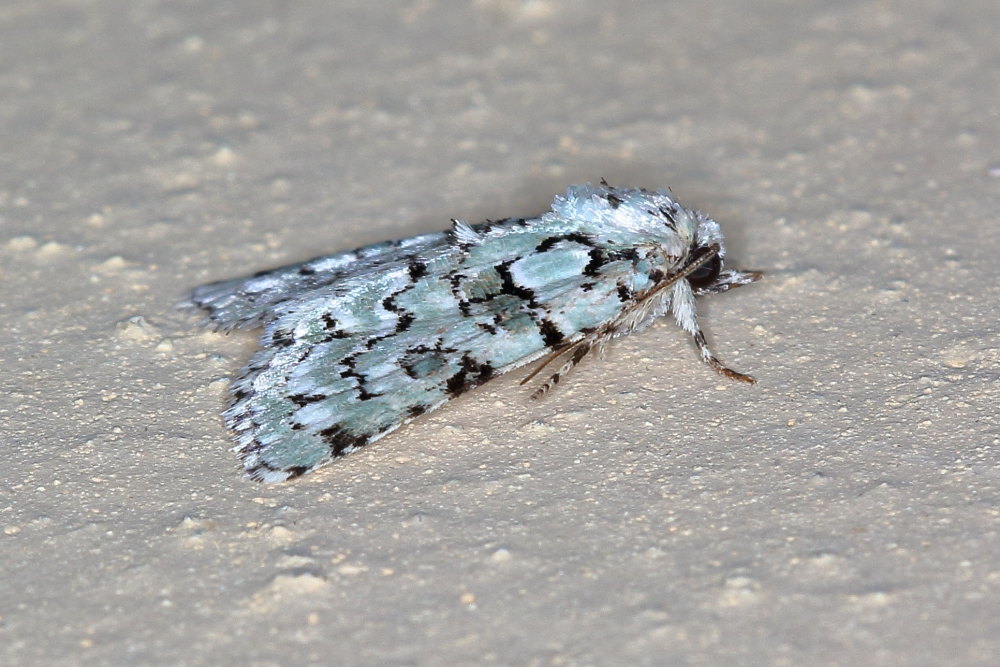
417 268
255 471
572 237
350 371
303 400
550 332
472 374
597 261
510 286
406 361
282 338
547 329
404 318
340 440
599 257
333 330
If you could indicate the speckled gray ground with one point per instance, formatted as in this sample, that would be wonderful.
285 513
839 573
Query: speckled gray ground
842 512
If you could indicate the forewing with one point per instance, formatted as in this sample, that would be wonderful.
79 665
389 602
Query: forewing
250 301
348 365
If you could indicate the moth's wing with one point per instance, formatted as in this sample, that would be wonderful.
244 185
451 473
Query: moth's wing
347 365
248 302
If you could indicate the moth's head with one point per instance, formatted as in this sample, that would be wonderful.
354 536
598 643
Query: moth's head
709 252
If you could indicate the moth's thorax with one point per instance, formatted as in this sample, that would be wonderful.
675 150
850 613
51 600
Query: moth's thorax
637 217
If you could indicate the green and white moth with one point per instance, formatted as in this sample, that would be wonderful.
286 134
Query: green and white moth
359 343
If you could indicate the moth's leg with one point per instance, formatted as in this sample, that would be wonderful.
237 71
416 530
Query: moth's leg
684 313
711 360
577 352
554 354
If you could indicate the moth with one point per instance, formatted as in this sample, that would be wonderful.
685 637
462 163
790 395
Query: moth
358 343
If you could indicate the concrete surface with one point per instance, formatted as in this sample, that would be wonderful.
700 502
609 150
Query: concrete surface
842 512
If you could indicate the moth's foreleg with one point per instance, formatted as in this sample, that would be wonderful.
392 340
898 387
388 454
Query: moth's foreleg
684 314
711 360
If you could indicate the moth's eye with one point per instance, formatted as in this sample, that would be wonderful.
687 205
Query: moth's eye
706 274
